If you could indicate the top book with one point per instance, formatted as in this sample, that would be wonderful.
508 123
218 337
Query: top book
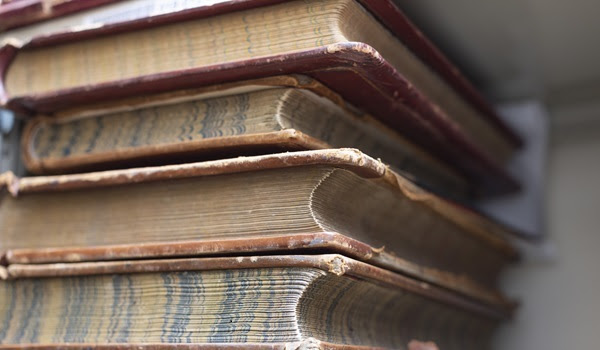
401 76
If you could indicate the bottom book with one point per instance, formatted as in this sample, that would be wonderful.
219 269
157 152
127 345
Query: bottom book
309 344
290 301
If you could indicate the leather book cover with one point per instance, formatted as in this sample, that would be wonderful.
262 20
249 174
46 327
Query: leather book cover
346 158
250 117
354 70
468 226
334 282
332 263
329 242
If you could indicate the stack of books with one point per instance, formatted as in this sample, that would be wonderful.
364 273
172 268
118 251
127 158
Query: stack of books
251 174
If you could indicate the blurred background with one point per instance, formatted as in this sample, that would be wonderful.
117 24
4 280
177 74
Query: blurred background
538 62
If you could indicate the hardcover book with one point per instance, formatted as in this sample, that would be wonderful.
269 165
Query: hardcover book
413 89
335 191
308 344
328 242
243 118
247 299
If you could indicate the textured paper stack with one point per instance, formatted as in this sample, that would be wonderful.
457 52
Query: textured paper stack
261 174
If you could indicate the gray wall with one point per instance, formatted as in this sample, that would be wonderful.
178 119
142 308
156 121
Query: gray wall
560 293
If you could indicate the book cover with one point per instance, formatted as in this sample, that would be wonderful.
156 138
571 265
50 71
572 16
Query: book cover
271 115
119 302
341 191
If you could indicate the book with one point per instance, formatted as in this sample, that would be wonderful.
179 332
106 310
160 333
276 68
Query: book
310 344
243 118
328 242
254 299
319 44
18 13
341 191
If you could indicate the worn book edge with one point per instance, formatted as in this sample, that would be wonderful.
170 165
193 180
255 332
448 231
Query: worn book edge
332 263
480 227
330 242
249 144
386 95
291 139
346 158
